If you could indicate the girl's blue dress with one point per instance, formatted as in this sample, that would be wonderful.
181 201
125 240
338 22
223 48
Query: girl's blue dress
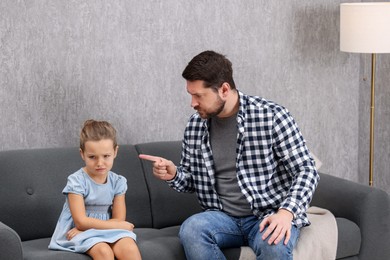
98 200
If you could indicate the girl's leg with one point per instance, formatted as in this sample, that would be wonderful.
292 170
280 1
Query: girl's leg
126 249
101 251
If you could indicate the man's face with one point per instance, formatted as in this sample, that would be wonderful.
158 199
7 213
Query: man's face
206 101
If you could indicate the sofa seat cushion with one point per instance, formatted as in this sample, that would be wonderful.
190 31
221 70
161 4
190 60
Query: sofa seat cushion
165 244
349 238
37 250
153 244
159 243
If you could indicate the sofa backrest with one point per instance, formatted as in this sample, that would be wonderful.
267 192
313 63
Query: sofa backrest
128 164
169 207
31 184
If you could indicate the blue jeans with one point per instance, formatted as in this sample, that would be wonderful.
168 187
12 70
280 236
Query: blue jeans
203 235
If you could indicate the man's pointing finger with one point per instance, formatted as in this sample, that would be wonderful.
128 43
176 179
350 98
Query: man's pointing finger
150 158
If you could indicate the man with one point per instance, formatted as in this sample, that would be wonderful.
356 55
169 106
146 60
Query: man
247 161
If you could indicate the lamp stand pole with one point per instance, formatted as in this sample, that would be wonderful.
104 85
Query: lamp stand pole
372 115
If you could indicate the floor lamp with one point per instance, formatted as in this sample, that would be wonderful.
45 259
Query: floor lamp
365 28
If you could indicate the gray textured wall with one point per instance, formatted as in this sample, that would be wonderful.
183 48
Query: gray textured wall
62 62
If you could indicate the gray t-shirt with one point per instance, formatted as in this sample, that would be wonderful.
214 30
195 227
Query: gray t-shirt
223 139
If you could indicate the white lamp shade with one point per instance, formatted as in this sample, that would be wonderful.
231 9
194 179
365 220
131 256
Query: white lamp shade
365 27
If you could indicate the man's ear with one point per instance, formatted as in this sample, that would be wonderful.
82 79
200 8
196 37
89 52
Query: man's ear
225 88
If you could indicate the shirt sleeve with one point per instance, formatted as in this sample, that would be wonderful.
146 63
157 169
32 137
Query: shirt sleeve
290 147
120 186
182 182
75 184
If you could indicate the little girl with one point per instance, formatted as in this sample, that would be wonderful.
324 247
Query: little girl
93 217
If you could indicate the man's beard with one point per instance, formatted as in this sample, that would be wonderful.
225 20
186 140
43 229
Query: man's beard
220 105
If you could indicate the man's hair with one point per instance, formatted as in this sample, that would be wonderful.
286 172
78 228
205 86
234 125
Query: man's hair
211 67
95 131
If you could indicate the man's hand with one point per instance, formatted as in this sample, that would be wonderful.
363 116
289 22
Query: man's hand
278 226
162 168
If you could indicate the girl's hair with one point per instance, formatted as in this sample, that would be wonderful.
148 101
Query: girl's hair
95 131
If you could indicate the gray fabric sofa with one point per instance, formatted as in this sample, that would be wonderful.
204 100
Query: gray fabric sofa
31 200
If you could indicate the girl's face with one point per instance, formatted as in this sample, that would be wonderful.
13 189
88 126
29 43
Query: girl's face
99 158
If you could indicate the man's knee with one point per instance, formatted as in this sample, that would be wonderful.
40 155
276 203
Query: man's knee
263 250
191 227
200 227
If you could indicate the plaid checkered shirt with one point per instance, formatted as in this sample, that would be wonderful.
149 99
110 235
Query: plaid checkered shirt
274 167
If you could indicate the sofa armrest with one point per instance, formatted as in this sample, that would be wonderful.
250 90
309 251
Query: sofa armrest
10 244
368 207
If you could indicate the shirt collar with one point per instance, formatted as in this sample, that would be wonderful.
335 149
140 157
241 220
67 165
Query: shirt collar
241 111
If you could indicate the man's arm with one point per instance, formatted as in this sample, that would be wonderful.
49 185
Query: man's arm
290 147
